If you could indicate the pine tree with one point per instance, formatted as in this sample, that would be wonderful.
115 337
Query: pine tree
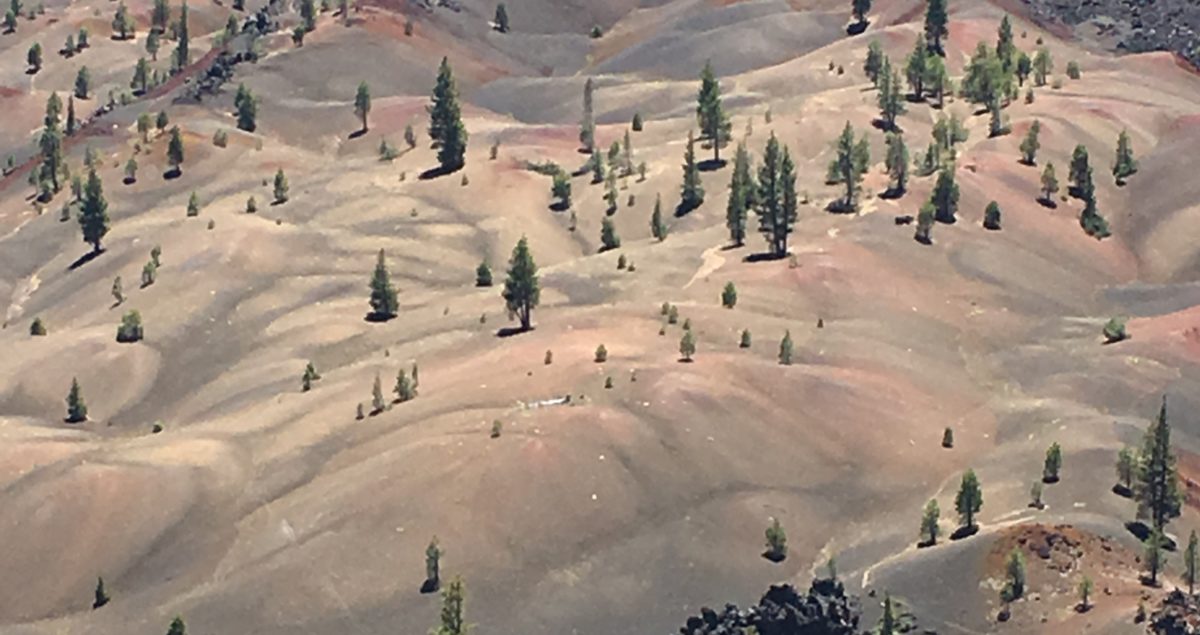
10 21
1191 561
378 405
945 196
1043 65
560 188
937 80
37 328
610 192
175 151
627 155
453 621
83 83
776 542
1014 572
131 167
1126 467
587 125
775 202
741 196
714 123
281 187
1085 593
969 500
50 144
658 227
785 349
917 67
362 104
483 275
152 44
160 15
929 522
117 293
608 236
874 62
141 76
1006 50
76 409
985 78
177 627
521 292
897 163
246 106
1030 145
997 125
34 57
936 25
1024 67
404 387
1157 486
850 165
991 216
130 329
384 304
445 121
501 20
860 9
182 54
745 340
72 123
308 15
887 622
310 375
101 595
93 214
687 345
1049 184
692 191
891 101
433 559
1052 464
1156 559
122 24
1125 165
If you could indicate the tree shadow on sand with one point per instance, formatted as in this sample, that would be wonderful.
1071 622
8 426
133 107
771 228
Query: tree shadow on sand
84 259
510 331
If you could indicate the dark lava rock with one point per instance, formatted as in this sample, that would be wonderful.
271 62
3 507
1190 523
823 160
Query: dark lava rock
824 610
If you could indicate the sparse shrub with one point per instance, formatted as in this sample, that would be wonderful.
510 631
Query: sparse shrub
408 27
1085 594
251 205
929 523
149 274
310 375
597 32
549 359
601 354
1052 464
666 308
405 389
37 328
281 187
1073 69
687 324
387 151
220 138
130 329
608 383
1114 330
1029 95
745 341
465 181
1014 572
212 224
673 315
358 412
496 427
948 438
494 151
991 216
729 296
117 293
637 122
621 262
1057 83
193 206
776 542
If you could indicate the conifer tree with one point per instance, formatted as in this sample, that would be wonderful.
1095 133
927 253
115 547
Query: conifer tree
76 409
1014 573
859 9
587 125
887 622
483 275
658 227
501 20
72 123
34 57
1080 174
310 375
152 44
1043 65
50 144
775 202
916 69
1006 50
130 329
991 216
1191 562
850 165
608 235
122 24
1024 67
745 341
610 192
692 191
141 76
433 559
308 15
83 83
521 291
378 405
1030 145
10 21
1125 165
742 196
714 123
384 304
560 188
785 349
1052 464
182 54
945 196
93 213
246 106
890 98
445 121
453 621
1157 485
175 151
404 387
969 500
193 205
687 345
281 187
729 296
177 627
1049 184
937 80
1156 559
897 163
160 15
874 62
776 542
985 77
936 25
929 522
117 293
362 104
101 595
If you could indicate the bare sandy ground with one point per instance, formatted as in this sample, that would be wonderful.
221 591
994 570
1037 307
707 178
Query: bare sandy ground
263 509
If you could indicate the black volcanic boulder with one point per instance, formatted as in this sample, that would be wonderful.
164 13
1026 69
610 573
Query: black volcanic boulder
824 610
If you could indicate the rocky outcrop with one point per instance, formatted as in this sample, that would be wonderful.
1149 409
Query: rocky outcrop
1139 25
1179 614
824 610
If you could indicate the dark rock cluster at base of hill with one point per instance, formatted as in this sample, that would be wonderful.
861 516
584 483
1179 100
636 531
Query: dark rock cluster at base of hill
1140 25
825 610
1179 614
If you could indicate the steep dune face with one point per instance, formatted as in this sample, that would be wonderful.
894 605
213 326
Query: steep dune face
261 508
